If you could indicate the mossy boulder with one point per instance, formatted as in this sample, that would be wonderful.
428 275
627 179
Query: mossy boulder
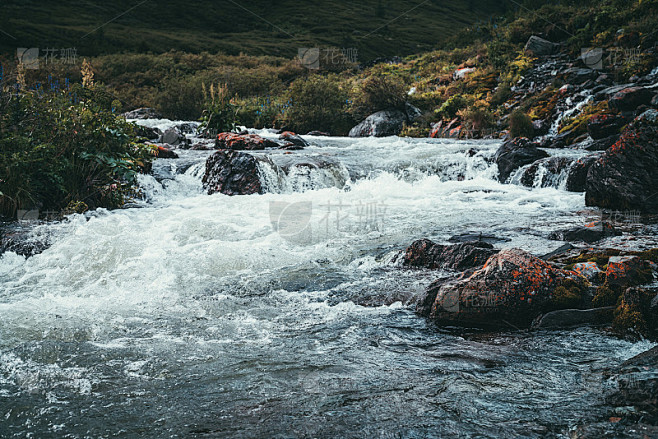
513 287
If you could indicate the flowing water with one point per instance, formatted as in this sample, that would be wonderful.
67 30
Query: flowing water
284 315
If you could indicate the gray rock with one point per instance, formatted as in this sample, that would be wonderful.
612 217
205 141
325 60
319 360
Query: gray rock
143 113
540 47
566 318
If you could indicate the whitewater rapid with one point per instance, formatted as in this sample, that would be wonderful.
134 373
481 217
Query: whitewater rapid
195 315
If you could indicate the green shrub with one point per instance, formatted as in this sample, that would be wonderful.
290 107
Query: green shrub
220 112
520 125
377 93
316 103
59 148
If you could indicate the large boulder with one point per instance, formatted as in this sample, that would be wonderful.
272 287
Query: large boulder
165 153
538 46
630 98
625 177
513 287
173 137
628 270
385 123
577 176
604 125
232 173
514 154
427 254
239 142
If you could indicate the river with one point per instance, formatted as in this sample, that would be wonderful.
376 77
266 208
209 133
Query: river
285 315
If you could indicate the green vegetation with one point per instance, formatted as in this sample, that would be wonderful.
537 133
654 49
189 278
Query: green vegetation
65 150
520 124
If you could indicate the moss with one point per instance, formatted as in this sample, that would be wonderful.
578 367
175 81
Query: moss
605 296
577 125
520 125
564 298
629 321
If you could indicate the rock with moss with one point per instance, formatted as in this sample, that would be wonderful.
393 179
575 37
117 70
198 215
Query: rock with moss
628 271
625 177
513 287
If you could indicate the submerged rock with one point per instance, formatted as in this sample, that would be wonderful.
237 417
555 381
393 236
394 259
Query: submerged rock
238 142
625 177
513 287
514 154
591 232
232 173
566 318
427 254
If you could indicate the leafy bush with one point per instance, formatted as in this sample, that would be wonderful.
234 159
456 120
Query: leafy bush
62 147
376 93
316 103
520 125
220 112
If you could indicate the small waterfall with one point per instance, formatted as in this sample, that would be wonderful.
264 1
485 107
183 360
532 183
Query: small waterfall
301 176
549 172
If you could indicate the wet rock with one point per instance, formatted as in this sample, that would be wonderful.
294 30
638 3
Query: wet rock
147 133
239 142
540 127
187 127
628 271
514 154
552 169
637 387
591 232
165 153
589 270
232 173
385 123
577 177
293 138
628 99
540 47
625 177
469 237
567 318
603 144
318 133
22 240
142 113
654 101
427 254
173 137
605 125
577 75
512 288
561 250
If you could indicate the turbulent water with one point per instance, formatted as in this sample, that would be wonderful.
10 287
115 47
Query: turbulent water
283 315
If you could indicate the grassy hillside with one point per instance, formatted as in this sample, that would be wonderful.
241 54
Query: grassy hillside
257 27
